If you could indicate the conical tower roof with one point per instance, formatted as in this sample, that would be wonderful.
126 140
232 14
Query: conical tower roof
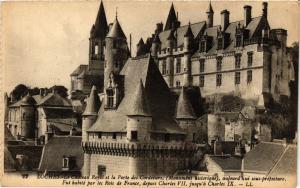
28 100
172 18
210 9
116 31
189 32
100 28
140 106
184 107
93 103
141 42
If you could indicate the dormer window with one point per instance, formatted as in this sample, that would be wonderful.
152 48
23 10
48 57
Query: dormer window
238 40
203 46
96 49
220 43
110 98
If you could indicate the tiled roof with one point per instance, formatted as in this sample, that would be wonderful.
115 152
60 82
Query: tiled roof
32 152
180 32
287 164
184 107
263 157
93 103
116 31
161 101
56 148
227 163
79 70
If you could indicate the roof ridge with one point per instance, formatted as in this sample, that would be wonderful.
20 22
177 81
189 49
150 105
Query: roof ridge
277 161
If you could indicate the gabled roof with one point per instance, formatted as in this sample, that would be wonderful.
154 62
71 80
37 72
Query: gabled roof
184 107
25 101
93 103
58 113
100 27
116 31
79 70
54 99
56 148
263 157
139 106
172 18
161 101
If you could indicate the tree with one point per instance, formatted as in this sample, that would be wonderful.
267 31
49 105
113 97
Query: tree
61 90
19 91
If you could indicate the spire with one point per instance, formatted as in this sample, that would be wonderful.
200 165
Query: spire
184 107
141 42
100 27
140 106
172 18
116 30
189 32
93 103
210 9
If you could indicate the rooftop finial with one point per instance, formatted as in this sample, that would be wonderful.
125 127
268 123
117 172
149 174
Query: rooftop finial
116 12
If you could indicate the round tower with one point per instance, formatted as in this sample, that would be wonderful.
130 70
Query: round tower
139 119
116 51
88 119
185 116
27 117
188 43
140 48
155 46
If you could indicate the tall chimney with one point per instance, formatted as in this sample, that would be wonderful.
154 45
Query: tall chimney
265 9
224 19
247 15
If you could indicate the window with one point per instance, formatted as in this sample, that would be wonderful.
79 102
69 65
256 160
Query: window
134 135
100 135
23 115
96 49
201 81
202 65
219 79
237 78
178 65
110 98
238 61
219 64
114 136
167 138
65 161
164 67
220 43
101 171
250 59
202 46
177 84
249 76
238 41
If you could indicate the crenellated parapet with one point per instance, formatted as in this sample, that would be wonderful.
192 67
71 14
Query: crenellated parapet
139 150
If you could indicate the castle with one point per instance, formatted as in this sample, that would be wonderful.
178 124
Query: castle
141 126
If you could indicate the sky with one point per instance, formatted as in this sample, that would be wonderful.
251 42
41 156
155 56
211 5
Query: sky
43 42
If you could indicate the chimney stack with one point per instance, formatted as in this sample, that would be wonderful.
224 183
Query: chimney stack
247 15
265 9
224 19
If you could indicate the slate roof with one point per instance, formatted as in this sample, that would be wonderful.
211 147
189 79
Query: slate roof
180 32
263 157
93 103
116 31
172 18
63 127
227 163
184 107
100 27
58 113
161 101
79 70
287 164
56 148
32 152
54 99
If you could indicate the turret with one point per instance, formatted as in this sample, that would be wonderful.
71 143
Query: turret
185 115
116 51
27 114
265 9
155 45
210 16
139 118
224 19
188 38
172 20
97 38
140 47
90 113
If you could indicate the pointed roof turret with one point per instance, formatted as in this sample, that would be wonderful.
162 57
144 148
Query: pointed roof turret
156 39
172 18
116 30
189 32
28 100
100 28
141 42
184 107
210 9
93 103
140 106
